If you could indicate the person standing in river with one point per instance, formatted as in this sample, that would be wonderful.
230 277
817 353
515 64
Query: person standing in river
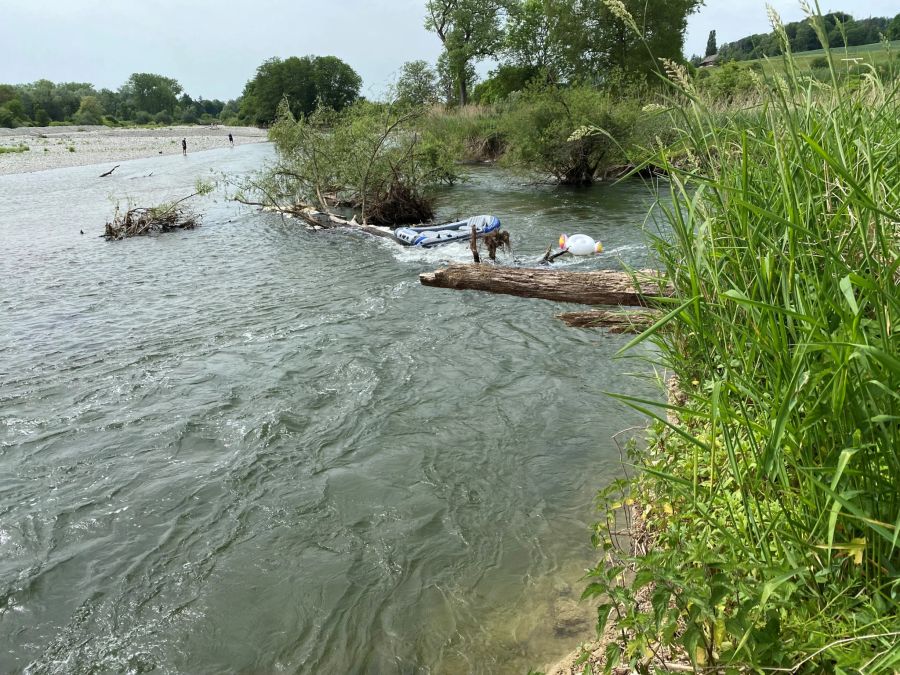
231 140
184 147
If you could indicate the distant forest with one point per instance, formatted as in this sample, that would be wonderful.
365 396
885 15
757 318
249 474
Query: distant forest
145 98
841 29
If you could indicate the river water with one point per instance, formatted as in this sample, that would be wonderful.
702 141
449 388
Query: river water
255 448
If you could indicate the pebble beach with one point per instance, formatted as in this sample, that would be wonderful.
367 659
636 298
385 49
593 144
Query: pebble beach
64 146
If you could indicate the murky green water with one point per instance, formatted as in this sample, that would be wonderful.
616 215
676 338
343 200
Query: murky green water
252 448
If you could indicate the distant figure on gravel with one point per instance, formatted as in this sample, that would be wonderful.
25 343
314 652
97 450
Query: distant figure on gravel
231 140
184 147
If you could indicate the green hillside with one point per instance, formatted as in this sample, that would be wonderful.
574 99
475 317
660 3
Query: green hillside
873 54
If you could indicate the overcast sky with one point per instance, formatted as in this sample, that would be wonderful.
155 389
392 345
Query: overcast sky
212 47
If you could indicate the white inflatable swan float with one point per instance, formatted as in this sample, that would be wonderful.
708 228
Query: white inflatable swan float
580 244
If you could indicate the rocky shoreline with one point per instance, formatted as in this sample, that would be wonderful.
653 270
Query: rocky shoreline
65 146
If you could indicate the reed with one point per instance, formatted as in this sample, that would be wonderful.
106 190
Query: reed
776 492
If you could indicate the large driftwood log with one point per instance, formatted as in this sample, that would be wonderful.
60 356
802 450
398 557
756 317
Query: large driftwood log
614 322
604 287
318 220
326 221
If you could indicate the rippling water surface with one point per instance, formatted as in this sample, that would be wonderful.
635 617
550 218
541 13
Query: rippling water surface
254 448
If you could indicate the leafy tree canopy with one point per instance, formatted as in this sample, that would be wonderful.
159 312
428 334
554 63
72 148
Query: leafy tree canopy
304 82
469 30
417 84
153 93
584 40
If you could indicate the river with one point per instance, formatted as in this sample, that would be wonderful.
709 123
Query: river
254 448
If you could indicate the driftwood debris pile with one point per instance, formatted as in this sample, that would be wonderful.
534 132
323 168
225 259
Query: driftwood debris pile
142 221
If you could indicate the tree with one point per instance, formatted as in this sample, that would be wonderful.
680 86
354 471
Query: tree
893 31
711 44
805 38
469 30
504 81
529 35
370 154
7 93
303 81
336 84
41 118
152 93
17 109
660 31
90 111
417 84
590 41
449 81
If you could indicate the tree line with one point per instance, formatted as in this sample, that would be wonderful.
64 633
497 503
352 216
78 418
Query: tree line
142 99
840 28
306 82
607 44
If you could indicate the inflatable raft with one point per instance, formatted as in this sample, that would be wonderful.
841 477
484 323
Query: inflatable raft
444 234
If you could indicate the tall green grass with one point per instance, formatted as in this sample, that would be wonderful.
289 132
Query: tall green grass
776 492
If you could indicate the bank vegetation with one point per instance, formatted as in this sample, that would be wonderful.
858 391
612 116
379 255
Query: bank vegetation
769 488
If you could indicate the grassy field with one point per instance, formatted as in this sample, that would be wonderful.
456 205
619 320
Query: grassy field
873 54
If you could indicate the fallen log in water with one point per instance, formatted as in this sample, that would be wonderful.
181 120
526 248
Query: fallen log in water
326 221
605 287
319 220
614 322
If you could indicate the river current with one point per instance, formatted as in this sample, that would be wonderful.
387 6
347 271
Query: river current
255 448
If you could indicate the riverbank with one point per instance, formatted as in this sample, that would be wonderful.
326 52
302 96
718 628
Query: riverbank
772 496
60 147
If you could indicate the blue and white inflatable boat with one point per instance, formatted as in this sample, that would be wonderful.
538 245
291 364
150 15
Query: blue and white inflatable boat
444 234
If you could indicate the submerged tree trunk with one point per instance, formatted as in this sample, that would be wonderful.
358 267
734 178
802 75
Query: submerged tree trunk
605 287
614 322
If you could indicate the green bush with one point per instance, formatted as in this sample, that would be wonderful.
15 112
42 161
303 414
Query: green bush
728 82
164 118
504 81
571 134
469 134
142 117
370 156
